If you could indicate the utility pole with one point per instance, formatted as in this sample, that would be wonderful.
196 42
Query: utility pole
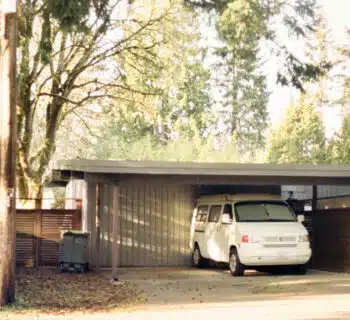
8 36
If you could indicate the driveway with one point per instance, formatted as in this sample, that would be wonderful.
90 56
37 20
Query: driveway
210 293
178 293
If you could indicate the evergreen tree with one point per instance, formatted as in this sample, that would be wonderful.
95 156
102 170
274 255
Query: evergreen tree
251 21
300 137
339 145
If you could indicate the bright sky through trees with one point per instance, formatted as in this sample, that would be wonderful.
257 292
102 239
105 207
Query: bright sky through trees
336 13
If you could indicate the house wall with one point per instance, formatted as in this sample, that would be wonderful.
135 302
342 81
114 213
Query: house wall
333 203
323 191
74 190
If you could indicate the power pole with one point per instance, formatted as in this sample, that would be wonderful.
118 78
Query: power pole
8 93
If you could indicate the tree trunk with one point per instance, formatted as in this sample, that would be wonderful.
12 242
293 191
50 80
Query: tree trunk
7 158
30 191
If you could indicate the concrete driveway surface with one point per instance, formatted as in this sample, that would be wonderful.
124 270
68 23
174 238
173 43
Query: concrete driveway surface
211 293
175 293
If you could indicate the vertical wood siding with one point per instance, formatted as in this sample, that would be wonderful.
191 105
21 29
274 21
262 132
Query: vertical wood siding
154 221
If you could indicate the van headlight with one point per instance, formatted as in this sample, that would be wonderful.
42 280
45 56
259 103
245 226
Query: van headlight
304 238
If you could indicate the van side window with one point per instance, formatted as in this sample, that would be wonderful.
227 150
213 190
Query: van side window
228 210
202 213
214 214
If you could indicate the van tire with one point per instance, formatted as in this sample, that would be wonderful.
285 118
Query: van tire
300 269
197 260
236 267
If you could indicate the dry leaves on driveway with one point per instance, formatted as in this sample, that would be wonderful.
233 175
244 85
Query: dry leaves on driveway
47 290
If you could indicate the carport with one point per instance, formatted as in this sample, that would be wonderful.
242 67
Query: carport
139 213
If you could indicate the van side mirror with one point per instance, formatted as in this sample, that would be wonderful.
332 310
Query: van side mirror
301 218
226 219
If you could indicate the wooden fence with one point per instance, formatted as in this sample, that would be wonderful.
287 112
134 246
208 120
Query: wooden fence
39 232
330 239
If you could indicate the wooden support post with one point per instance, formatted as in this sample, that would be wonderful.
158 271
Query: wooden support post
77 219
314 208
8 92
99 207
116 232
314 198
38 236
89 217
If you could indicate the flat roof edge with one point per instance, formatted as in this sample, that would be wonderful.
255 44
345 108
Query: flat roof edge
200 168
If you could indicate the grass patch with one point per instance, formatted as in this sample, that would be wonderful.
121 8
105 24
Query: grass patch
46 290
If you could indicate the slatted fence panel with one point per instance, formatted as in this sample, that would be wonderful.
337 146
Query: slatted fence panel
26 240
39 232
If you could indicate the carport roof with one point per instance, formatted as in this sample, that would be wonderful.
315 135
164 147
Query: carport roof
206 173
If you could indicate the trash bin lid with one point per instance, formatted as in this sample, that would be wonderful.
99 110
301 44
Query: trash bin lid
76 233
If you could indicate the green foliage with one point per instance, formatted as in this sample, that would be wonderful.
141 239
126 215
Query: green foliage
182 105
188 109
74 14
339 146
146 148
244 21
301 137
245 94
45 45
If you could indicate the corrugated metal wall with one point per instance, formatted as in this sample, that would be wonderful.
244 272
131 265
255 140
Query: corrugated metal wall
155 223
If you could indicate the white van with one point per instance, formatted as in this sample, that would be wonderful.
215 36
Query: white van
249 231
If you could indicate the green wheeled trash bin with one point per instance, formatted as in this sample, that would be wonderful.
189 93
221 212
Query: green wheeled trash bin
74 251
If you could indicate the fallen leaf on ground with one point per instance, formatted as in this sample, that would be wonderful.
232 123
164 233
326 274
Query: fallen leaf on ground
49 291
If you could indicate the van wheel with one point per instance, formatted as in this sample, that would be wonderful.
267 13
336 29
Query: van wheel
236 267
197 260
300 269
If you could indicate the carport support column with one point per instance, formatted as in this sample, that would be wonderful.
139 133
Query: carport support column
116 231
314 208
89 217
314 198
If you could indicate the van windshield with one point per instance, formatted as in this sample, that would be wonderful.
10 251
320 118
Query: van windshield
263 211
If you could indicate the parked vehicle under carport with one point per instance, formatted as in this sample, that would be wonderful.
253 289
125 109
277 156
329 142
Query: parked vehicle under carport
249 231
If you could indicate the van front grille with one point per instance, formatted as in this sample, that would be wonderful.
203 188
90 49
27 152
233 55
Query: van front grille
280 245
280 239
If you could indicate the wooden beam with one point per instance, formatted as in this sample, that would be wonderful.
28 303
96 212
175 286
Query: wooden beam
99 177
116 231
226 180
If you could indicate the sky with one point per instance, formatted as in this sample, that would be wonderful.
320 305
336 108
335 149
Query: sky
336 13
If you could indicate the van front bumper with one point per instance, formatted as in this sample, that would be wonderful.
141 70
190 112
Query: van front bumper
268 257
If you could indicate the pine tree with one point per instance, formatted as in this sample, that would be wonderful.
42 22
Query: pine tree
301 136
